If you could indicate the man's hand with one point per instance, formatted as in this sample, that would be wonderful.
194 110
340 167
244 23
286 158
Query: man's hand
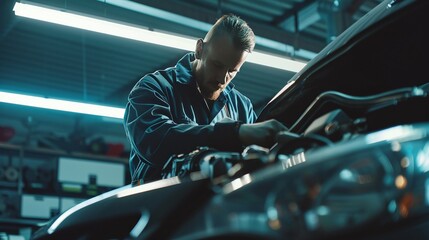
262 134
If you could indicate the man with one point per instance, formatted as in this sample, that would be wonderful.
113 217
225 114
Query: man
175 110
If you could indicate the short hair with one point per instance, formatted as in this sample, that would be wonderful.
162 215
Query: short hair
242 35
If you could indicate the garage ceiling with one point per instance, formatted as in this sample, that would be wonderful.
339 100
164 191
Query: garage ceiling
45 59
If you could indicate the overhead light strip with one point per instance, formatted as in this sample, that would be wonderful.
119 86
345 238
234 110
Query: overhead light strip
62 105
137 33
102 26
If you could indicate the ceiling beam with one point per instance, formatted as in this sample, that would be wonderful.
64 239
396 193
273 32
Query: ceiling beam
306 16
298 7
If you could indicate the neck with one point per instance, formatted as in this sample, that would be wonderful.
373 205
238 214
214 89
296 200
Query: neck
195 68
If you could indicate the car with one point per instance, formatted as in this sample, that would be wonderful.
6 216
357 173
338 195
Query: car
353 165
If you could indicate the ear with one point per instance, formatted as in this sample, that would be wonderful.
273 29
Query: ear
199 48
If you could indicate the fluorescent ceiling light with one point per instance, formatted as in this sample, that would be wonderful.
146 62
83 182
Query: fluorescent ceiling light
62 105
102 26
139 34
274 61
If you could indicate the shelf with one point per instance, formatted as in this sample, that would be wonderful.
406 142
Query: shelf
62 153
22 222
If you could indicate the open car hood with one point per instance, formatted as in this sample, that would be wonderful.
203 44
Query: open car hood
384 50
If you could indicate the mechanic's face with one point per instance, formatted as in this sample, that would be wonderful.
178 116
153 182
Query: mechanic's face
218 64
